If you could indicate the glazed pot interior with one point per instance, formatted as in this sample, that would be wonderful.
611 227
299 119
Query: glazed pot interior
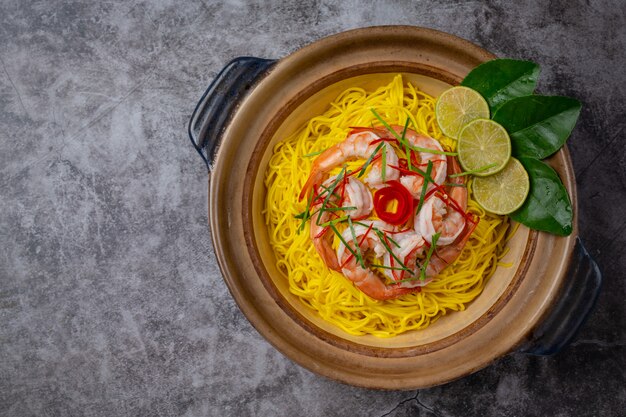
447 329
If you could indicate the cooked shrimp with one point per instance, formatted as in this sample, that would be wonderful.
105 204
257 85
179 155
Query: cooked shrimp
407 246
355 195
443 257
438 216
366 279
414 183
441 214
361 229
356 146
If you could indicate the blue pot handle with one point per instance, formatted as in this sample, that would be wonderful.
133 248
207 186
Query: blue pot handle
575 303
216 105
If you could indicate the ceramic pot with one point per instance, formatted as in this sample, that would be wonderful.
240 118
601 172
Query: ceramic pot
534 307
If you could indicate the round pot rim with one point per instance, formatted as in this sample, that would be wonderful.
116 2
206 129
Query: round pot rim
336 362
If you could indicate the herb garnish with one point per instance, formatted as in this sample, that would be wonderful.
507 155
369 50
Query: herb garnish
358 247
333 186
407 150
383 172
357 256
383 240
405 143
473 171
431 249
370 159
395 268
429 169
308 155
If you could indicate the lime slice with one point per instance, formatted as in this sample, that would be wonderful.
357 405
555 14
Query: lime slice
504 192
484 147
457 107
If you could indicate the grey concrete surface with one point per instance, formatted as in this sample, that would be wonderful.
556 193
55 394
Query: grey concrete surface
111 302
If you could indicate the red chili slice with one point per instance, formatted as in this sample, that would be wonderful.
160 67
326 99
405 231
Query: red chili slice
394 203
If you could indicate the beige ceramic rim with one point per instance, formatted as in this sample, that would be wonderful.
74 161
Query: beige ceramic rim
470 340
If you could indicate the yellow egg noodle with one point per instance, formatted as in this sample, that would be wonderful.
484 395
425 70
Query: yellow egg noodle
328 292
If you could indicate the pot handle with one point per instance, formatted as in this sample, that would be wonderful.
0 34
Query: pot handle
218 102
577 299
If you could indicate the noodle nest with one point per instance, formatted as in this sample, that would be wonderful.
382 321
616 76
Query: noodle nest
328 292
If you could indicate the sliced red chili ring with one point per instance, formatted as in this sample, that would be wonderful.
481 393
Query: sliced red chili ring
394 203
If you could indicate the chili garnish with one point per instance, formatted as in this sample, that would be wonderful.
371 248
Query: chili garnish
394 203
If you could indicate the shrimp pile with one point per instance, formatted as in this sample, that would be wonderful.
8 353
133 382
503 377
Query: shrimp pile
384 260
342 215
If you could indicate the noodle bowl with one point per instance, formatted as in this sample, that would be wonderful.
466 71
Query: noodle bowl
334 298
237 137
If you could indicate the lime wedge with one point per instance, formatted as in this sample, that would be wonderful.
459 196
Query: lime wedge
504 192
484 147
457 107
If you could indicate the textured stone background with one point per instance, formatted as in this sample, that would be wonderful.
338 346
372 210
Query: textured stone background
111 302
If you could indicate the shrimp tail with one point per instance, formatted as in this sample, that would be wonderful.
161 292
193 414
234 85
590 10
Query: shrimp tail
322 241
389 293
313 179
322 164
370 284
328 255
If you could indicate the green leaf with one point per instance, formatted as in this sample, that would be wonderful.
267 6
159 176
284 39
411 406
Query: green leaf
538 125
501 80
548 207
